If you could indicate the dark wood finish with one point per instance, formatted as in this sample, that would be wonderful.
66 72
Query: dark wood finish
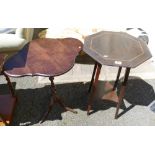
92 79
117 78
115 49
55 99
7 102
7 105
122 91
95 82
45 57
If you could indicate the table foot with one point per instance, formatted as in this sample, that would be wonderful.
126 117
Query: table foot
3 121
45 116
88 110
55 99
71 110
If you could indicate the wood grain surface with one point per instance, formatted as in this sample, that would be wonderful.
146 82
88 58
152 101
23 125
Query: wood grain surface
116 49
44 57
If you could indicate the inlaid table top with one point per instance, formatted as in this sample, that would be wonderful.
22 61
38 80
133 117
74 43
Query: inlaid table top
116 49
44 57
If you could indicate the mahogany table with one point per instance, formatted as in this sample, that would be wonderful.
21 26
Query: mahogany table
117 49
45 57
7 101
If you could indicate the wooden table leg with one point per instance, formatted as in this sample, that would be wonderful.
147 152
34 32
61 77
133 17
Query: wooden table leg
122 91
92 79
9 84
55 99
95 82
117 78
8 102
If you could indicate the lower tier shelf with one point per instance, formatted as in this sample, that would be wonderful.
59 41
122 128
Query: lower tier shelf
7 105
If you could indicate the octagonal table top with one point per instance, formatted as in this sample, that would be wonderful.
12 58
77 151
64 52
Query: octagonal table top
116 49
44 57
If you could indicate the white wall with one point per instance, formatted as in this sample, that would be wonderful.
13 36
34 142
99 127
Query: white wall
83 13
108 14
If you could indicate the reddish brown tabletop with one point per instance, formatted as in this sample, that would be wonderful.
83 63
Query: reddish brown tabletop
116 49
44 57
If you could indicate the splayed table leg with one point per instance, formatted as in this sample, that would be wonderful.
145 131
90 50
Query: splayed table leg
55 99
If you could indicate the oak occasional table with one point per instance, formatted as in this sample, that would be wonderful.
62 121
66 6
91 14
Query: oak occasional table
7 101
45 57
117 49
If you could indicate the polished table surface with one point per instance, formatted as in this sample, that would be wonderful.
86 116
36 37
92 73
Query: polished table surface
45 57
116 49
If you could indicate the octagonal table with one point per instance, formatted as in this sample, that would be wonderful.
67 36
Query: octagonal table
45 57
117 49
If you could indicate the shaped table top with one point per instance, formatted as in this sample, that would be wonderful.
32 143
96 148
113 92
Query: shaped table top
116 49
44 57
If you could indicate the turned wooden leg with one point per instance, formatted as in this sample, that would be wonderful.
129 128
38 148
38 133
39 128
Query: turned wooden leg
92 79
95 82
122 91
9 84
117 78
55 99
